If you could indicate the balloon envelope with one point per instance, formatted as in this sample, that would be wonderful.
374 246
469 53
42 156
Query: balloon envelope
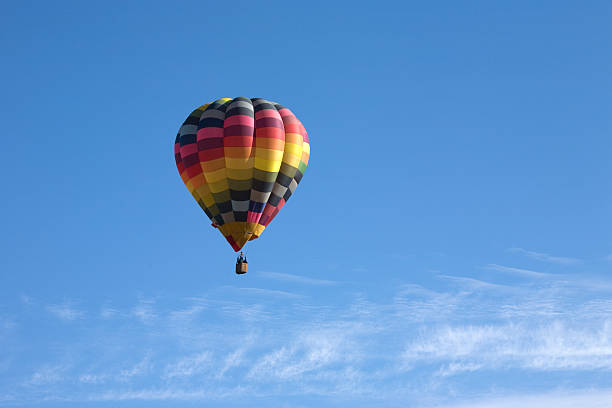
241 159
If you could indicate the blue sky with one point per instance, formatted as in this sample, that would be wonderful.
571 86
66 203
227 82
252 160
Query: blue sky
449 245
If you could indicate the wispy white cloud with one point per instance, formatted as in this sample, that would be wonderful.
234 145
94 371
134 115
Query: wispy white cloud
518 271
125 374
310 352
188 366
554 346
144 310
416 304
65 311
236 357
390 348
172 393
254 312
47 375
454 368
540 256
570 282
142 367
270 292
93 378
296 278
473 283
108 312
188 313
233 359
589 398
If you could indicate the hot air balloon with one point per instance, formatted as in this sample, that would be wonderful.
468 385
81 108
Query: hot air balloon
241 159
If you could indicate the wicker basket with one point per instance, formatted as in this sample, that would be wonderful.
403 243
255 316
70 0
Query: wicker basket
241 267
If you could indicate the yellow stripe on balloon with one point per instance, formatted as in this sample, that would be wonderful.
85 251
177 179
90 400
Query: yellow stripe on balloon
269 154
267 165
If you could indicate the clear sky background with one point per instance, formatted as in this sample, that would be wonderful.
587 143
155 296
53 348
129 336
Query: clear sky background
449 245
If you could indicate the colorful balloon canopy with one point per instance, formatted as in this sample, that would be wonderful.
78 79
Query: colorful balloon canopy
241 159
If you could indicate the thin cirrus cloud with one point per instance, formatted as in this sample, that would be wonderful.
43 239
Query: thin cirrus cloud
577 398
235 358
144 310
308 353
47 375
518 271
554 346
415 341
140 368
296 278
270 292
473 283
65 311
541 256
189 366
